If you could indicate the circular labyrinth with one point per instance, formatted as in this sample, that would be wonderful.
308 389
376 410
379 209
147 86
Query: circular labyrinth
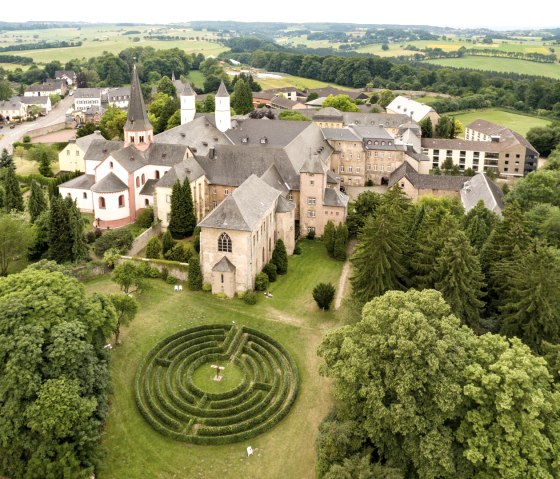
177 395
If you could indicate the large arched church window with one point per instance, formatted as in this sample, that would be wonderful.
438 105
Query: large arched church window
224 243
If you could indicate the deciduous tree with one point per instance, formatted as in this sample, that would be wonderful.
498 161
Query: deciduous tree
15 237
126 308
127 275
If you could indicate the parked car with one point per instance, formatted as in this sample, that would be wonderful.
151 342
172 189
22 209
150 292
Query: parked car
12 126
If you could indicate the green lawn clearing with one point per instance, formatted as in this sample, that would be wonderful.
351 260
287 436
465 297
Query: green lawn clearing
133 449
515 121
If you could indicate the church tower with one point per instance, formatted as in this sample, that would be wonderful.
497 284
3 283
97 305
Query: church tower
223 113
188 104
138 130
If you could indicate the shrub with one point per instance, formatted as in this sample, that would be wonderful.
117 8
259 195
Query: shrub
98 232
369 182
180 253
340 241
167 243
297 249
261 282
196 239
221 295
153 249
271 271
145 219
26 139
121 240
90 237
148 271
207 287
111 257
311 235
250 297
171 280
195 274
280 257
323 294
164 273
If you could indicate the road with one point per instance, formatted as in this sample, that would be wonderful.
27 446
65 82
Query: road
57 115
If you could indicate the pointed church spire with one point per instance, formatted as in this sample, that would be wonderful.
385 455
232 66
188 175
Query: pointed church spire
222 91
187 90
138 130
137 116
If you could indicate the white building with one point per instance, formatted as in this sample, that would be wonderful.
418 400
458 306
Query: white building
84 98
13 109
415 110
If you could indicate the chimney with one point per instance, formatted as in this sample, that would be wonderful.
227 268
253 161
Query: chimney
211 152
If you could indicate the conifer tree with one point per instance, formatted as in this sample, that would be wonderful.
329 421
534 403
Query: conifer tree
76 231
427 127
60 246
531 309
459 279
242 100
13 199
280 257
436 227
37 202
340 241
194 280
178 216
479 223
189 206
508 240
378 257
6 160
153 248
329 237
167 242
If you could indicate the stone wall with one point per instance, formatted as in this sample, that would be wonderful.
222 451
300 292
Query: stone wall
46 130
174 268
140 243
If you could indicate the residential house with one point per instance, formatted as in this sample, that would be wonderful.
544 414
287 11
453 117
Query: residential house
85 98
43 103
415 110
12 110
118 97
69 76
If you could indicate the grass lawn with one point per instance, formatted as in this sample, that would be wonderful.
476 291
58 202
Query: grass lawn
298 82
133 449
517 122
13 66
197 78
551 70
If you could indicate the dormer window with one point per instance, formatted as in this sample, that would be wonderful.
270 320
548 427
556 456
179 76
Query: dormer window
244 140
111 164
264 140
141 139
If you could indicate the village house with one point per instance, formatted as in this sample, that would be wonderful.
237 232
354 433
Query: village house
85 98
50 87
42 102
413 109
12 110
69 76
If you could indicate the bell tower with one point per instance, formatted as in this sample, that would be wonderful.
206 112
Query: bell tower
223 112
138 130
188 104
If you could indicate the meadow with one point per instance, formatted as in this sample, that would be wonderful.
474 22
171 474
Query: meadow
133 449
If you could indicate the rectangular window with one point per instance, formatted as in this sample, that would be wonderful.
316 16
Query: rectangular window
376 154
358 169
342 156
341 168
68 152
368 167
311 229
311 213
226 192
311 200
214 204
290 196
358 156
374 167
349 169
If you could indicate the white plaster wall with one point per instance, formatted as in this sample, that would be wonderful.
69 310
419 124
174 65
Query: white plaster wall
104 168
112 211
84 204
72 158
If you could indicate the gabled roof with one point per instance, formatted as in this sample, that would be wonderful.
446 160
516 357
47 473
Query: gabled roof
188 168
340 134
480 187
164 154
224 266
116 92
83 182
187 90
428 182
326 114
34 100
243 210
460 144
110 183
149 187
272 177
284 206
334 197
331 178
415 110
87 93
137 119
271 133
11 104
96 147
507 137
222 91
313 164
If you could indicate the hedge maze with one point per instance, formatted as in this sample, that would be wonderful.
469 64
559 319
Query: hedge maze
169 400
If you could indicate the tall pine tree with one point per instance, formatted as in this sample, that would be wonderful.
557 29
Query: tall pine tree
329 237
242 101
479 223
459 279
531 303
60 244
76 229
37 202
189 205
178 216
378 257
13 199
280 257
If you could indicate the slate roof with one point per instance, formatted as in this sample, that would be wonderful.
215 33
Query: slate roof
429 182
110 183
98 148
326 91
334 197
188 168
264 95
34 100
137 119
114 93
331 178
222 91
384 120
480 187
11 104
327 114
187 90
87 93
43 87
313 164
83 182
459 144
244 208
149 187
276 132
164 154
284 206
272 177
283 102
415 110
199 135
224 266
341 134
507 137
61 73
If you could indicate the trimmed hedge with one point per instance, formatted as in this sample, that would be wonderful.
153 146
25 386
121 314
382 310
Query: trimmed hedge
178 409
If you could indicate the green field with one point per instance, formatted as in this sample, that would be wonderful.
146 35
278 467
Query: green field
298 82
13 66
551 70
517 122
133 449
196 77
108 38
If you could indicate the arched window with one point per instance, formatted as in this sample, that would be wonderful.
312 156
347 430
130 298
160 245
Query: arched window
146 202
110 164
137 181
224 243
143 178
157 174
85 196
121 201
101 202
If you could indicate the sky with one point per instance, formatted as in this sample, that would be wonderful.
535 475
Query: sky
465 14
